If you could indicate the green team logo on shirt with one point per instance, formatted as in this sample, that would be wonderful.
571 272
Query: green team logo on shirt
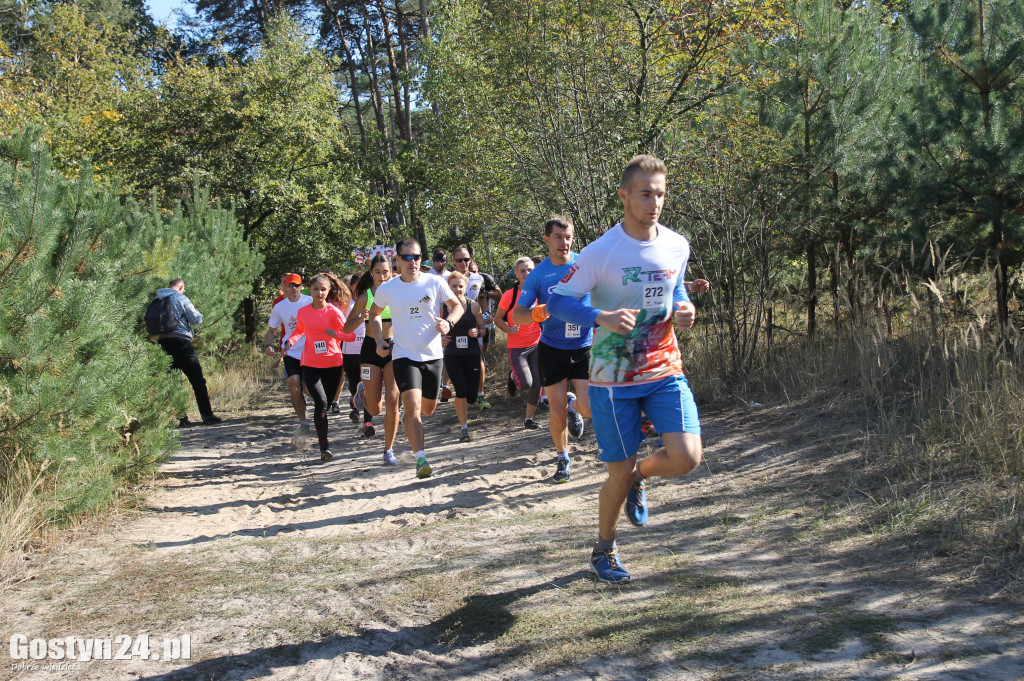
633 274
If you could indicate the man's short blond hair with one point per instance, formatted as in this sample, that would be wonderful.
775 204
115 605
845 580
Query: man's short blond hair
642 163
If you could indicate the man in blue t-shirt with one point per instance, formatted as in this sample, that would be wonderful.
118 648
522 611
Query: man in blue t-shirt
564 349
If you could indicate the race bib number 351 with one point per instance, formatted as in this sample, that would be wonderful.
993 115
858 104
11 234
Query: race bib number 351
572 330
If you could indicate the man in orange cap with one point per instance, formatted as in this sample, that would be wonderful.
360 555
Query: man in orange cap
284 316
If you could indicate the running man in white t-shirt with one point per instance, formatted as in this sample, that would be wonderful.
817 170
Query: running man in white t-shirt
285 314
634 275
415 301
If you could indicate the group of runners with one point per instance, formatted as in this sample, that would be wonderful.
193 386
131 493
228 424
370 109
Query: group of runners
603 318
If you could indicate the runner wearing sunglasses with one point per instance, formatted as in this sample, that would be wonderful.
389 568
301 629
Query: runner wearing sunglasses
415 302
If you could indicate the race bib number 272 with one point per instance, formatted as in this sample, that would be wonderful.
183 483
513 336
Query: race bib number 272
654 296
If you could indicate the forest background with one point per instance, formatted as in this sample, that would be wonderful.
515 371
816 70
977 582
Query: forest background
850 174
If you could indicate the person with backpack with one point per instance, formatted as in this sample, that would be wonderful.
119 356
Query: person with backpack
170 317
522 343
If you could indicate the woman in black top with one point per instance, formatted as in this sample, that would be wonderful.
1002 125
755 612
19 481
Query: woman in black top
462 353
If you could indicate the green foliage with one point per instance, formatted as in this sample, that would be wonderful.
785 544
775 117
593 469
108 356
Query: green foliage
264 136
735 175
219 279
87 401
71 77
964 137
558 98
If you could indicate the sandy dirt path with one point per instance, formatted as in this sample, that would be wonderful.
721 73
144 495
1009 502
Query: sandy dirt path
761 565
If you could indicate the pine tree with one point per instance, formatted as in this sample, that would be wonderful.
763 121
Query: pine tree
835 100
86 401
966 146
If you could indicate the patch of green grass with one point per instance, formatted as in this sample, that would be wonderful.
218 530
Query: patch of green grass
550 627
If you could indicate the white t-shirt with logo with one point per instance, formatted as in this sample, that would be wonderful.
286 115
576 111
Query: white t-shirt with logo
286 312
413 308
620 272
474 285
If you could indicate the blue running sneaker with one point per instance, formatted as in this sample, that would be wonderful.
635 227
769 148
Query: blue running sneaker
564 471
389 457
636 503
607 567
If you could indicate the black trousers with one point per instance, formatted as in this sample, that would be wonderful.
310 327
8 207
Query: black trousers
185 358
322 384
464 370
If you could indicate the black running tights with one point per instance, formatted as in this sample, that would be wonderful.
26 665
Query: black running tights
322 384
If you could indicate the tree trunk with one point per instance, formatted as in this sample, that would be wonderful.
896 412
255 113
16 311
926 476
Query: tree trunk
812 290
249 318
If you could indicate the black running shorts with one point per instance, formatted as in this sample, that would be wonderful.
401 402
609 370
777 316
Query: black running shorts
292 367
368 354
556 364
414 375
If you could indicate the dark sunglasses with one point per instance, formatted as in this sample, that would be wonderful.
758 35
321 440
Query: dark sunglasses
295 285
411 257
462 259
440 258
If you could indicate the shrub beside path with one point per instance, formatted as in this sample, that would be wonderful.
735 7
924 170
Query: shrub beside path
765 564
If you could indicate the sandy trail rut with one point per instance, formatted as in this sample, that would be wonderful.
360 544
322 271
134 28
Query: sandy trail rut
278 566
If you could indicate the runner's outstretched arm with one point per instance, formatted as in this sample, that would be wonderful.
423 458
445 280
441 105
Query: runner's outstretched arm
572 310
359 314
374 328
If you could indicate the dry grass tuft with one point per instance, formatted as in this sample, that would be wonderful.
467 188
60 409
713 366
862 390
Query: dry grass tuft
239 382
941 394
